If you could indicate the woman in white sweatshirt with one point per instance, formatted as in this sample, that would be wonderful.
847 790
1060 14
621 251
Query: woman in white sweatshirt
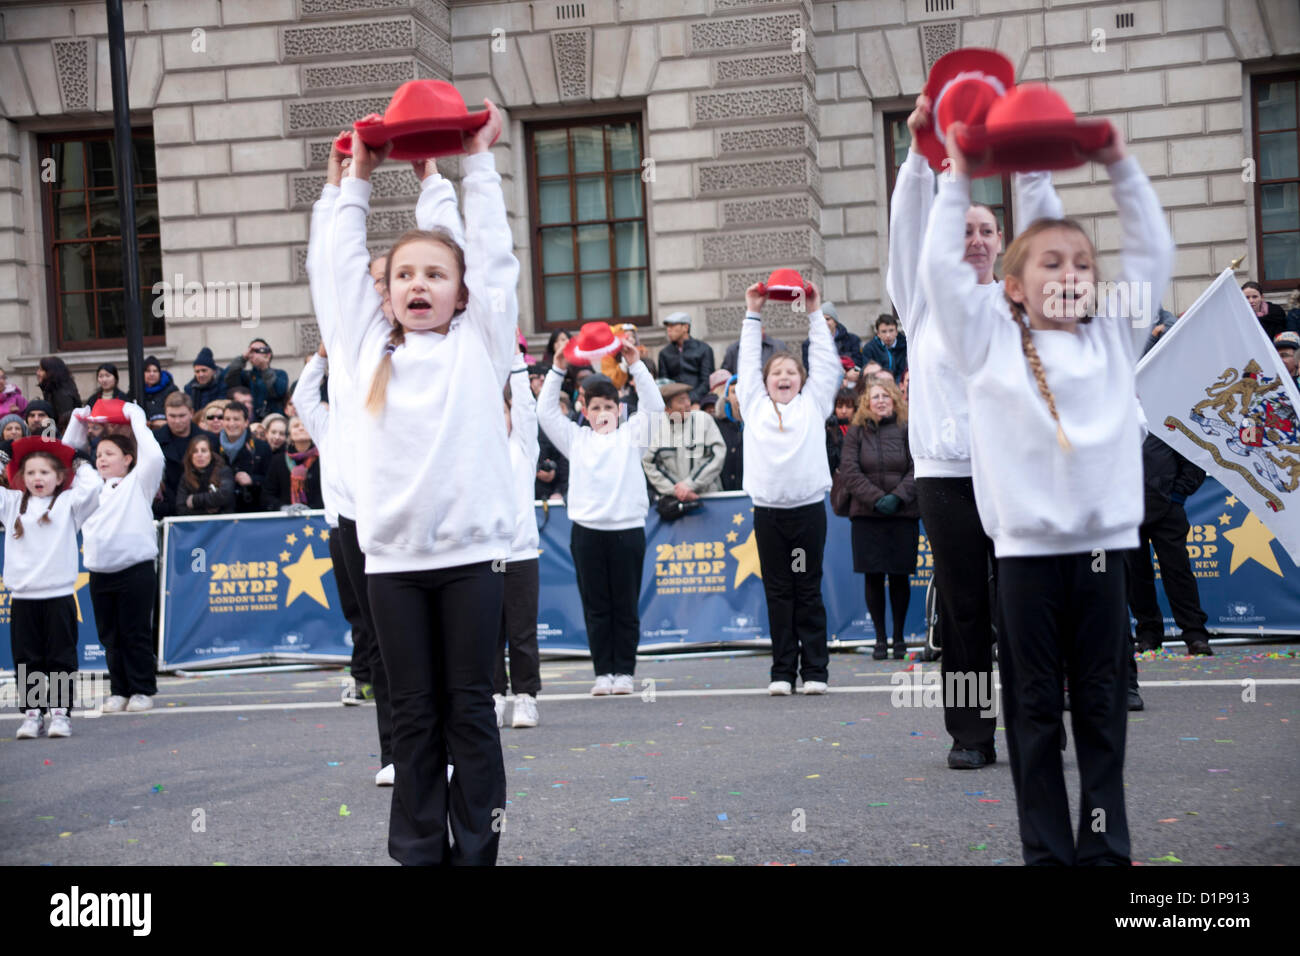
939 428
439 513
44 505
787 477
1056 456
607 506
120 547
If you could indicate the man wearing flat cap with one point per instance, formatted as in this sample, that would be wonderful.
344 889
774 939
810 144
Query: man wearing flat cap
686 452
684 359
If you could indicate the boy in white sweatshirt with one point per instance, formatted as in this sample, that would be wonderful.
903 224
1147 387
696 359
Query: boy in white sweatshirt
607 506
1056 456
787 477
44 505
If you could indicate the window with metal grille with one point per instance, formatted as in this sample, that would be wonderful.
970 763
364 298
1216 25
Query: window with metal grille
1276 123
936 6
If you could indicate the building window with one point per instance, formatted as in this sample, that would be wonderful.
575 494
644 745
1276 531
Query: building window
1277 180
83 238
587 203
990 190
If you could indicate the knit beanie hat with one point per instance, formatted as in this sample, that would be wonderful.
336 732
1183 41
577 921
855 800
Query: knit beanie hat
205 358
14 418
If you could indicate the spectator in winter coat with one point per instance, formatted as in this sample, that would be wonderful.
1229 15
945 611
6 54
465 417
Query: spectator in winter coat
1164 322
837 426
1271 315
38 415
269 386
686 453
847 345
247 456
732 428
12 401
59 389
106 384
175 441
206 386
206 486
293 477
684 359
889 347
157 386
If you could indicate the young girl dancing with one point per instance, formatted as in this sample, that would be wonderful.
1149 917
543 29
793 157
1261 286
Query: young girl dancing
433 496
787 476
1056 455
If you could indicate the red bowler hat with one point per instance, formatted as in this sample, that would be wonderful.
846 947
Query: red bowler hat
1032 128
425 118
23 447
785 285
963 86
594 340
107 411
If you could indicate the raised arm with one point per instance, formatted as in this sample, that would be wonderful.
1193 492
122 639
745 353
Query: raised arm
562 432
86 485
649 403
749 357
523 413
314 413
75 435
149 460
1146 250
1036 198
437 207
825 371
949 282
909 210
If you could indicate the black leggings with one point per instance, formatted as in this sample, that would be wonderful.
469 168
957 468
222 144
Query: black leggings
900 594
123 602
367 661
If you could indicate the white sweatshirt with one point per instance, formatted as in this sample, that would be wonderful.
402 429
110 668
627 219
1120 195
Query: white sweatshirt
432 486
785 454
315 417
938 421
43 562
121 531
1034 497
606 480
524 448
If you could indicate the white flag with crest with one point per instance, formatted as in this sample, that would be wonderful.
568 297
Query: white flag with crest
1215 390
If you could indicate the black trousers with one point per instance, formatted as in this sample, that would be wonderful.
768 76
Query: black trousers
123 602
438 631
1066 616
791 542
1168 533
962 552
43 640
608 565
519 630
367 659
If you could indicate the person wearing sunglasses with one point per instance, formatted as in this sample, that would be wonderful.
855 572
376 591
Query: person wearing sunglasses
269 386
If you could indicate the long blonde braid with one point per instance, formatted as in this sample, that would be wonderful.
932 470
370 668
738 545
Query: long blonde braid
1040 377
379 383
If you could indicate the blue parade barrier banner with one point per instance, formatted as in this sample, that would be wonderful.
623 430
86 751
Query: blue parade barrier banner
90 653
260 588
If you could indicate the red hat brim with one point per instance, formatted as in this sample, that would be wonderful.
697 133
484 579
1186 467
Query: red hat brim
786 293
24 447
590 355
946 68
1035 145
423 138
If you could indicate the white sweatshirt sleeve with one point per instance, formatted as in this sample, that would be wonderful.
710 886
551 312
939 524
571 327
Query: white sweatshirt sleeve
149 461
1146 250
322 292
649 404
437 208
86 485
562 432
949 282
359 307
523 413
749 376
909 210
491 269
314 413
1036 198
75 435
825 371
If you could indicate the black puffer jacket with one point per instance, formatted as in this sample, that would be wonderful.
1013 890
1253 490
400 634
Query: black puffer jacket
215 494
875 461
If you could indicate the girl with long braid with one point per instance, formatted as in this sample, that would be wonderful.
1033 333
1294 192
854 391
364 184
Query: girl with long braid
1057 466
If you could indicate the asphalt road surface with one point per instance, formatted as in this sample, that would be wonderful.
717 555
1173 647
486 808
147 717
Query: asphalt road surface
271 769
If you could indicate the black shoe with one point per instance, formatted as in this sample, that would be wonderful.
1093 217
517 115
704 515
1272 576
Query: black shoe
969 759
881 651
1199 649
900 650
1135 701
1144 645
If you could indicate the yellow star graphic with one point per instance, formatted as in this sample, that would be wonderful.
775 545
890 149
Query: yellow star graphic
308 530
305 578
1225 519
82 578
290 538
285 555
732 536
325 534
746 556
1231 501
1251 542
737 519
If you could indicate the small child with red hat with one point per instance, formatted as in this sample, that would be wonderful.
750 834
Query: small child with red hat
44 505
607 501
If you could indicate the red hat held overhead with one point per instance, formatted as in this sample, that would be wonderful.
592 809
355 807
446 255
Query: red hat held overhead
24 447
786 285
963 86
594 341
1032 128
107 411
425 118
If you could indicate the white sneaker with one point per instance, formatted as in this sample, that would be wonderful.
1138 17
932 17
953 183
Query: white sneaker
351 694
814 687
779 688
386 776
139 702
604 685
33 726
499 702
114 705
623 684
525 711
59 724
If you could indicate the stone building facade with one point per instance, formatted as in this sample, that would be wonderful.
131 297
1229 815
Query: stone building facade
765 128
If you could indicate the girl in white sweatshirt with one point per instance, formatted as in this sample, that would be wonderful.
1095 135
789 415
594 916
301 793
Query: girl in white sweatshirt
607 505
939 428
433 492
120 547
1056 456
44 505
787 477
